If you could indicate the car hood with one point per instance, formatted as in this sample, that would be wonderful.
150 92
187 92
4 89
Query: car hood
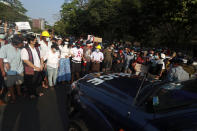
119 84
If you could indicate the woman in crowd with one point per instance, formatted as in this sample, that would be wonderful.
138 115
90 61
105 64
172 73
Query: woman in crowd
52 58
64 73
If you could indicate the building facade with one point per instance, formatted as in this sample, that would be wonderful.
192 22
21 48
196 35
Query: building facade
38 23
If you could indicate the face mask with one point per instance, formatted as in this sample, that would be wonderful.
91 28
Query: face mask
97 50
135 55
131 53
156 57
2 36
111 48
151 55
47 39
54 50
66 43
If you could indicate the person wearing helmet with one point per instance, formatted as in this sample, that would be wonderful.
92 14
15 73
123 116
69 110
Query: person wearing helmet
96 57
45 43
45 46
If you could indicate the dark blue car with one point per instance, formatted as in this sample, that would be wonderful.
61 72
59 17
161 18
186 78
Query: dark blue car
121 102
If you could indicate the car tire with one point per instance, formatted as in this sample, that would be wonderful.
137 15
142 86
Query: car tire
77 125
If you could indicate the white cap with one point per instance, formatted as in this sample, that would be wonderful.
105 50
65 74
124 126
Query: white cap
163 56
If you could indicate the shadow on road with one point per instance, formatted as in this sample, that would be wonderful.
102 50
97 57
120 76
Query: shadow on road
46 113
21 116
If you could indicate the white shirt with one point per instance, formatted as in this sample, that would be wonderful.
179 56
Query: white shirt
160 61
78 53
65 51
97 56
44 48
52 59
25 56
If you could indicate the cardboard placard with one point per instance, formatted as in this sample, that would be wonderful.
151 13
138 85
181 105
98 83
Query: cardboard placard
97 39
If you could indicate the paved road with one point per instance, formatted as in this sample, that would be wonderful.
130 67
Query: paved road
47 113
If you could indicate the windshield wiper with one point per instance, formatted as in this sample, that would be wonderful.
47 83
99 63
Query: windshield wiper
138 92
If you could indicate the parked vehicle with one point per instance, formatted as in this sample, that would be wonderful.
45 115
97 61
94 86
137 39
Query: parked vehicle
121 102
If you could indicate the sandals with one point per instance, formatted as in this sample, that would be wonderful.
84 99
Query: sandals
44 86
32 96
40 94
12 101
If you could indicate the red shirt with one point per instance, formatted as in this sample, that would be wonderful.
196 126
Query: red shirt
140 60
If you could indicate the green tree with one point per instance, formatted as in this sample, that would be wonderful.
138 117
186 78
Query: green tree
151 22
13 13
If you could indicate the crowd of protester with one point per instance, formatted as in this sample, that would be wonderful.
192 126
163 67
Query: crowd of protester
45 62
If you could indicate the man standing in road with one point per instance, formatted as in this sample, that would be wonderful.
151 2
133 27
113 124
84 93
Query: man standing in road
33 67
87 51
108 54
13 77
45 46
97 57
177 73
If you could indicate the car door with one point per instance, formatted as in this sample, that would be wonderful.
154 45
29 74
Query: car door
176 107
185 120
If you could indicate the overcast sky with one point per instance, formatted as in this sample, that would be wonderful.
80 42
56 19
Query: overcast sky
47 9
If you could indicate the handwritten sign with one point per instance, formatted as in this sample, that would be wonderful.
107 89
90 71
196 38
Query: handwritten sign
23 25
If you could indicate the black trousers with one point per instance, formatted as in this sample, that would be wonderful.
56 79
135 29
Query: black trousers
95 67
87 68
1 84
33 83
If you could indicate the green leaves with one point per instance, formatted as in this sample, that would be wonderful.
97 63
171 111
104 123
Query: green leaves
152 22
13 13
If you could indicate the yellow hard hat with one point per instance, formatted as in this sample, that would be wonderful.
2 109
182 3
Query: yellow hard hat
45 33
98 47
19 33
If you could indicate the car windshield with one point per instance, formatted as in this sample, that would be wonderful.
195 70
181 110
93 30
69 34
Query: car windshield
175 95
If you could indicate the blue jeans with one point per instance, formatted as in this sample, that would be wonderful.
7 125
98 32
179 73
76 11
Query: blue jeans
52 75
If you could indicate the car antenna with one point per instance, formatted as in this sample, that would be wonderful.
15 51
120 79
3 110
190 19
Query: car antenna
138 92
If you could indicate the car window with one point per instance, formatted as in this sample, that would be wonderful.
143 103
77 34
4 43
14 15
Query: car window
175 95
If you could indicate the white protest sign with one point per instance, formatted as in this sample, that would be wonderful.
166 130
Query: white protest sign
91 38
23 25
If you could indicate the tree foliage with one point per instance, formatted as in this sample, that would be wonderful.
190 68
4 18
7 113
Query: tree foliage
13 13
152 22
